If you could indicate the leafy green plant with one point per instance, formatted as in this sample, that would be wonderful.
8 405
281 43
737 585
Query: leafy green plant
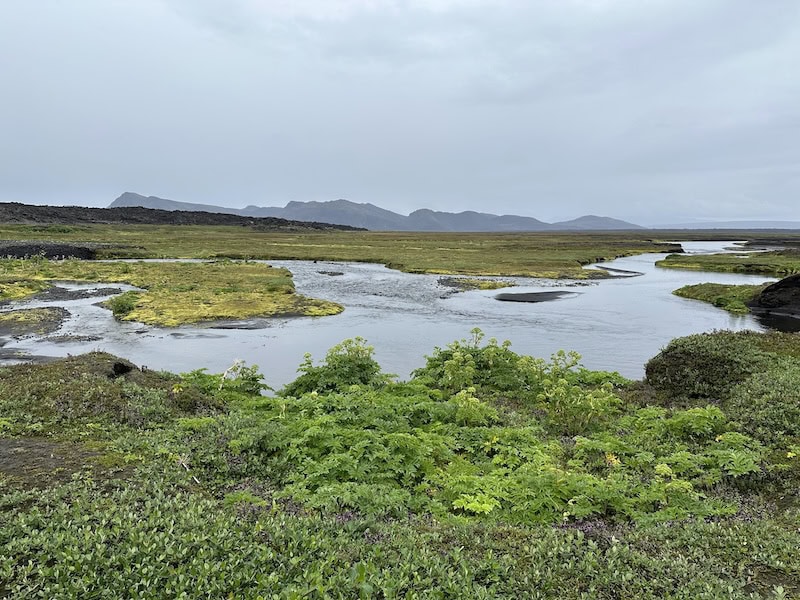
346 364
238 378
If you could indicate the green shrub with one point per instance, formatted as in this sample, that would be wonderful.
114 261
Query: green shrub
492 369
346 364
768 404
237 379
706 365
123 304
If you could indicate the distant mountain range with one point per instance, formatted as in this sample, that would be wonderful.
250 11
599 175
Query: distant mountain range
369 216
743 225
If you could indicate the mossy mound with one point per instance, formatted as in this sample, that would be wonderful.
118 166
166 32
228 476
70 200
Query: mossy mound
709 365
93 388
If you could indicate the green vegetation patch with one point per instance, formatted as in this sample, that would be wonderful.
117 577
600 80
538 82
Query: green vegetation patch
183 292
709 365
487 475
733 298
153 541
11 289
479 433
777 263
89 392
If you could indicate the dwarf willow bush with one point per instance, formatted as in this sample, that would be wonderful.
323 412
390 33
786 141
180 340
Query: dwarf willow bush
768 404
706 365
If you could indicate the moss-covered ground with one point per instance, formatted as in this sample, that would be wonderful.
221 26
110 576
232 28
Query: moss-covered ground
776 263
475 283
31 321
487 475
175 293
733 298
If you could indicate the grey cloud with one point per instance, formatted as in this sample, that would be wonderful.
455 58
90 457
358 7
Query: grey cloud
651 110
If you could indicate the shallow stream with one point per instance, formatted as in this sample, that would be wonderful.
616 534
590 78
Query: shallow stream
614 324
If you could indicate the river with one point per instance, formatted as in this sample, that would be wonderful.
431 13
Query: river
615 324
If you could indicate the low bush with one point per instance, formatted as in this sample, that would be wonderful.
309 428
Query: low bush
768 404
346 364
123 304
706 365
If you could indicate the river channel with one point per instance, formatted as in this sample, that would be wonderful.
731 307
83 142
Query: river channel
615 324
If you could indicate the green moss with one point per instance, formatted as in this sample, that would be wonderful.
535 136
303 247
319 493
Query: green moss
32 321
17 290
733 298
472 283
179 293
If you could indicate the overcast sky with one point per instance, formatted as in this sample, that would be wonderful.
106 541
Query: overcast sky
655 111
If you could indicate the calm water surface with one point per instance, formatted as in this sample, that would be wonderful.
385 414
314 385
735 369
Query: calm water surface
614 324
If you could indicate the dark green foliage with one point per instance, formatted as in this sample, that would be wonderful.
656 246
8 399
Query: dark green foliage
706 365
153 541
122 304
557 450
346 364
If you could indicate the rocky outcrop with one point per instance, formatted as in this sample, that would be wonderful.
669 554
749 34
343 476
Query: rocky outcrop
780 298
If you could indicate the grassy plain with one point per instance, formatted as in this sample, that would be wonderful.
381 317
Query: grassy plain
186 293
526 254
488 475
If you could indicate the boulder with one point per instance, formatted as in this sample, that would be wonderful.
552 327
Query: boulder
780 298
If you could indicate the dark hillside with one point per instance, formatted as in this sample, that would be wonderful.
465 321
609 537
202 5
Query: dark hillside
15 212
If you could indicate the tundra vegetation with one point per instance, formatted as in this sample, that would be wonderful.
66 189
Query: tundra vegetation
733 298
552 255
775 263
486 475
175 293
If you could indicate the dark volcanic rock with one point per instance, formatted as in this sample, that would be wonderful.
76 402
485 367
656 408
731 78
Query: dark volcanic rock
53 250
780 298
14 212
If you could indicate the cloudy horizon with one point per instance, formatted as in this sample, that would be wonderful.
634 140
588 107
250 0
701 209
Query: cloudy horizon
652 111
